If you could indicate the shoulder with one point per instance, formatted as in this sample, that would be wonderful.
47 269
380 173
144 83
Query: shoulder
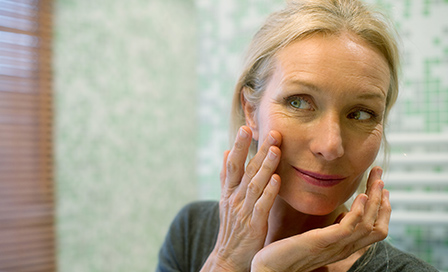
403 261
201 217
385 257
199 209
191 237
194 215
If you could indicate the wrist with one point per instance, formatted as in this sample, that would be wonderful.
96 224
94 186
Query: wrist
218 264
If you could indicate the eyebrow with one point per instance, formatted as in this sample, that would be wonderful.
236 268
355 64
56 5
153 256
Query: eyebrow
365 96
369 96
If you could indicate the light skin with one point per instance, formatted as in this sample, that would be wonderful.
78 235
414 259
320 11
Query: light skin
319 127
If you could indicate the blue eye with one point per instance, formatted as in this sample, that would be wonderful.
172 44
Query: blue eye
299 103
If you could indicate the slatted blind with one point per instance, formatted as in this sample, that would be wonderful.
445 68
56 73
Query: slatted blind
418 182
418 178
27 239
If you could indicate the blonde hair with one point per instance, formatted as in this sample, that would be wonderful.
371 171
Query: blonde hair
301 19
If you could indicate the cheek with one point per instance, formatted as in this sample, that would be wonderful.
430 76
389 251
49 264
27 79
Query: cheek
362 152
369 147
273 120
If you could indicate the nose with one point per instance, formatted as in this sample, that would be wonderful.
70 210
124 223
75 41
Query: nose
326 139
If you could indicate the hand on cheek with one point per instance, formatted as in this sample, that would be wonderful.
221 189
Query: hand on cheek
366 223
247 196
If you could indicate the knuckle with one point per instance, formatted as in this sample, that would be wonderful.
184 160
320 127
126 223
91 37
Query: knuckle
259 208
383 232
225 193
230 201
268 194
268 168
359 212
254 188
346 231
239 145
251 170
231 167
377 200
366 228
234 202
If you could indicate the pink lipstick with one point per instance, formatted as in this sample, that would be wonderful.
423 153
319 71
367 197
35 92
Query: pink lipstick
317 179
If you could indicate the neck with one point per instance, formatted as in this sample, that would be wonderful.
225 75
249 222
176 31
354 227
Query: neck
285 221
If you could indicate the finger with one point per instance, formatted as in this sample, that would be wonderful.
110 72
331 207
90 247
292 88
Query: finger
374 192
264 204
374 202
353 217
273 138
348 224
365 225
222 175
261 179
236 159
364 229
382 223
375 174
381 227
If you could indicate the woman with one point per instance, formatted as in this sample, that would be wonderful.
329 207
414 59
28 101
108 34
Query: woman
309 108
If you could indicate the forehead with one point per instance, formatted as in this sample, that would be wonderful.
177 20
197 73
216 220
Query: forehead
334 61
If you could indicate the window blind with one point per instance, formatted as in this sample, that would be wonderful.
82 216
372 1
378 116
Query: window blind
417 178
27 239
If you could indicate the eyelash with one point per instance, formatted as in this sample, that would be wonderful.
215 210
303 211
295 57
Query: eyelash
290 99
373 115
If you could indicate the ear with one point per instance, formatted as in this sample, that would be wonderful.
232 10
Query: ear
250 115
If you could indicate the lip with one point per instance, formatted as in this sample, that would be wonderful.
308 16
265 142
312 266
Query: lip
317 179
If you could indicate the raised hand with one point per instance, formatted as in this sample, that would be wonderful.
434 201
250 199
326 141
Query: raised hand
247 195
366 223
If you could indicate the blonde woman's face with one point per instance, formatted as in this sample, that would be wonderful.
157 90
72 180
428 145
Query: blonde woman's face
327 98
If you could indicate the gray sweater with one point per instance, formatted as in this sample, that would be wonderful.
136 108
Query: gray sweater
193 234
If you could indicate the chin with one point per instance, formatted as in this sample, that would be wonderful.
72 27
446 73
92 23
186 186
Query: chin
311 204
318 210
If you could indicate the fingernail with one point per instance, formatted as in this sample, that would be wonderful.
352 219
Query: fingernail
386 194
272 155
274 182
380 172
364 200
243 133
272 140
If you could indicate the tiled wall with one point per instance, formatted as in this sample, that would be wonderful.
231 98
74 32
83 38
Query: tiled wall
143 92
125 102
226 27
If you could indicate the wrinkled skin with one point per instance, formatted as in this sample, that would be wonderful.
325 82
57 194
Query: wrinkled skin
319 127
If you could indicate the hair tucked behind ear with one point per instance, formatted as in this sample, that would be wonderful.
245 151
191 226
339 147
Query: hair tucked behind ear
301 19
